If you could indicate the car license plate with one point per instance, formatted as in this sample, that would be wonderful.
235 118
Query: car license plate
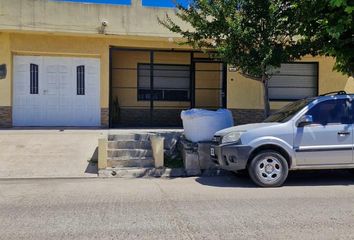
212 151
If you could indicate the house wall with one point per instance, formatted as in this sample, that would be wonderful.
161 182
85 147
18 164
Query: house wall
70 17
46 44
125 82
245 96
49 45
5 58
54 28
132 112
5 84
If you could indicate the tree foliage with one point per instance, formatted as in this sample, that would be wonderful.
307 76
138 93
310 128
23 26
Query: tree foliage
328 25
255 36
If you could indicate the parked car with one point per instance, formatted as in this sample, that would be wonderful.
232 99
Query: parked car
312 133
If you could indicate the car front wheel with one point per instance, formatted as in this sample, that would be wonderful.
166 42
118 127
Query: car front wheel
268 169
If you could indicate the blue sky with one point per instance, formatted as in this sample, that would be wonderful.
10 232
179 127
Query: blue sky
154 3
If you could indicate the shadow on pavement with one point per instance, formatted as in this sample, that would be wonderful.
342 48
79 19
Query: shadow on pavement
92 168
295 178
320 178
227 181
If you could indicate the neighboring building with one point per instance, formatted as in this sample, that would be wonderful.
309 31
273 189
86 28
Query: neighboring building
74 64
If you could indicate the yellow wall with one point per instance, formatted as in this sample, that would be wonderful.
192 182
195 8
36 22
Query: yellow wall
246 93
331 80
5 58
242 92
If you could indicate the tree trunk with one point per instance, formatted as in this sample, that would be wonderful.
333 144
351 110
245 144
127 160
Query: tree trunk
265 80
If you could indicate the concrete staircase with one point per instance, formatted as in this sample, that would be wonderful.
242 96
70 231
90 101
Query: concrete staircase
129 151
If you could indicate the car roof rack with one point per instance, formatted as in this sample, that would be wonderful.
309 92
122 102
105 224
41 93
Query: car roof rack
335 93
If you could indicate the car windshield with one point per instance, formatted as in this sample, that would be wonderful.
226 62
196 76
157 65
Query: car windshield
288 111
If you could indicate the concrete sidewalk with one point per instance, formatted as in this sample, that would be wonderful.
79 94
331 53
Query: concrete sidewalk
53 153
47 153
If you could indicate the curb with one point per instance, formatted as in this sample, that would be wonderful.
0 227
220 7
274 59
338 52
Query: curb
133 173
158 173
45 178
141 172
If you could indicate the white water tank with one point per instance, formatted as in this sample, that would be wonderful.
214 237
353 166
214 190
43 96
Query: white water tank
200 124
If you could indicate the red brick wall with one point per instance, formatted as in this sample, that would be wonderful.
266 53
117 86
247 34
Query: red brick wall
5 117
104 117
244 116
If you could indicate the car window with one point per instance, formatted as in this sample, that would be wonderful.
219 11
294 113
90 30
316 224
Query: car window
288 111
338 111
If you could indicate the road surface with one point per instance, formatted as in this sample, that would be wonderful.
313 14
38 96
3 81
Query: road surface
309 206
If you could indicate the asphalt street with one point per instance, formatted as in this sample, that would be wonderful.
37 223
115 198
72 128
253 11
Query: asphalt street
312 205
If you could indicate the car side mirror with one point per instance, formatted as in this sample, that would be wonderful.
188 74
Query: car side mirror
305 120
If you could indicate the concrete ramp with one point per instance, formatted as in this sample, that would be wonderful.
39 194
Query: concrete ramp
48 153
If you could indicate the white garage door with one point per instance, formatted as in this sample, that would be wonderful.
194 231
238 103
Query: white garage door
56 91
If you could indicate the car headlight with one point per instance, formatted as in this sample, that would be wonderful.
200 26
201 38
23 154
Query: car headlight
231 137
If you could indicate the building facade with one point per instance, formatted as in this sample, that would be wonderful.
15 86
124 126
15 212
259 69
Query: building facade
74 64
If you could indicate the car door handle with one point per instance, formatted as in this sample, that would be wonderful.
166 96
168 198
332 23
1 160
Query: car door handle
343 133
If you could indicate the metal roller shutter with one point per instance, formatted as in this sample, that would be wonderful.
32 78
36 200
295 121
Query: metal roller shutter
294 81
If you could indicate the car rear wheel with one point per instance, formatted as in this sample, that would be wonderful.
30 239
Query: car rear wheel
268 169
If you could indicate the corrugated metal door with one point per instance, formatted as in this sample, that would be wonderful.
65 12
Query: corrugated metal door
294 81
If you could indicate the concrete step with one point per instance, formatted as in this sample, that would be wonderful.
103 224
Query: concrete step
129 144
119 162
129 153
129 137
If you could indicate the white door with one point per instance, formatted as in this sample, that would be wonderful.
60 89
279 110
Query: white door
56 91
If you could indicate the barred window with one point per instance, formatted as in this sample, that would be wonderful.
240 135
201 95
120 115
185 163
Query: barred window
171 82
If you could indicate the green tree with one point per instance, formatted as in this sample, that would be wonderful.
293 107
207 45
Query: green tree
255 36
328 26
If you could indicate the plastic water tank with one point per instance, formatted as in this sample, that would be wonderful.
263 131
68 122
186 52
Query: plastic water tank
200 125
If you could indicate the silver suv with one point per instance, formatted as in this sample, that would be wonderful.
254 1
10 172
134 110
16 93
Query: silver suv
312 133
